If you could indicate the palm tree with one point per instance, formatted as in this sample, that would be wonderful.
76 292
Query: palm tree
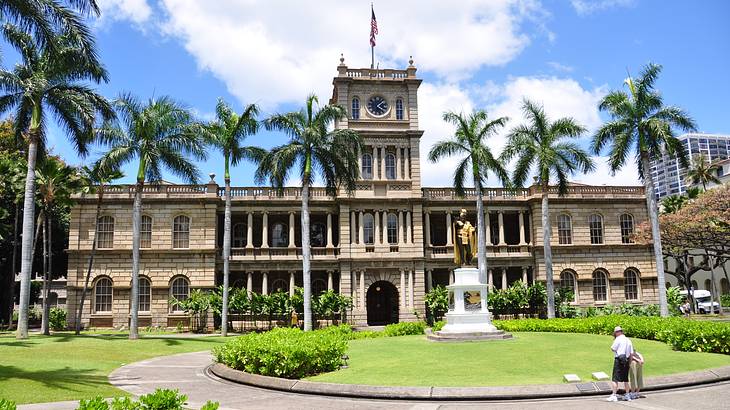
702 171
470 139
673 203
313 151
643 126
545 146
227 133
47 81
160 133
96 179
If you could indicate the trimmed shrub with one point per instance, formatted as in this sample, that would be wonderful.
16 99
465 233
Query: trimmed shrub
57 318
160 399
7 405
725 300
285 352
681 334
405 328
438 326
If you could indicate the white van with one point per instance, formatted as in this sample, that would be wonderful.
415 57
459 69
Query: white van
703 301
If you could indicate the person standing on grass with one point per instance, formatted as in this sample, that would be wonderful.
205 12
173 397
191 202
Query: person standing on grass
622 351
636 374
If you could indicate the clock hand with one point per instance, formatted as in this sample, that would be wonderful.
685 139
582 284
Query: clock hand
380 105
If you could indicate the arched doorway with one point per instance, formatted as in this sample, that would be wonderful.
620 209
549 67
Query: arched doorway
382 303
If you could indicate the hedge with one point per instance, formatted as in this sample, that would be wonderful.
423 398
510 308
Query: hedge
681 334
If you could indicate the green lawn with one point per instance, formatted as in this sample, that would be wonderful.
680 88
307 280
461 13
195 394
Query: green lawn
68 367
530 358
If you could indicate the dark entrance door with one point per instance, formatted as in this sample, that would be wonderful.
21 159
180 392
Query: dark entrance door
382 302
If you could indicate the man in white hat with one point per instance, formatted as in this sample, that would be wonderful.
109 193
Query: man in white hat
622 351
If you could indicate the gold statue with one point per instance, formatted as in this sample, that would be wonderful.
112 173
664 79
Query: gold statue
464 239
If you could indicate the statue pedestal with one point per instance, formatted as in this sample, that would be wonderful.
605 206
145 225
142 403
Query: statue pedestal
468 317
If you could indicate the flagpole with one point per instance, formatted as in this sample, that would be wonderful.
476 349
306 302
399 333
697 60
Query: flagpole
372 47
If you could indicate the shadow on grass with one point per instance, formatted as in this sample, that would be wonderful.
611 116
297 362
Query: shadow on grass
64 378
16 343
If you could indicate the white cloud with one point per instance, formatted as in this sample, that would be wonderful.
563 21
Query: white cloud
560 67
628 175
584 7
136 11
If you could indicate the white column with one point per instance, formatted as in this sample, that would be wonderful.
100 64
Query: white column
385 227
359 161
353 274
409 224
401 222
382 163
249 283
329 230
407 172
522 228
429 280
249 231
490 279
504 278
500 219
398 173
353 228
292 283
362 289
330 285
449 240
291 230
361 230
264 283
451 276
411 288
524 275
488 228
427 228
402 289
376 228
265 230
376 163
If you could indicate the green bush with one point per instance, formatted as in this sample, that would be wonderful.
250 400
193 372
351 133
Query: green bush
7 405
57 318
725 300
438 326
163 399
404 329
681 334
160 399
437 301
285 352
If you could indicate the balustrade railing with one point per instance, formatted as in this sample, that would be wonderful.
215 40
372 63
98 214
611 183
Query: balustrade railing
258 252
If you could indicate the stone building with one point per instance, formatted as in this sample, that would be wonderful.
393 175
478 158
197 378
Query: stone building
384 245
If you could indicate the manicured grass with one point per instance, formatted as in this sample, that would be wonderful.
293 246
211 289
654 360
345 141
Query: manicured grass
530 358
68 367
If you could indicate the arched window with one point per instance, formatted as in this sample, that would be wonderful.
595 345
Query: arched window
565 230
145 232
318 287
279 285
567 281
390 166
103 295
279 235
239 235
180 290
708 285
399 109
595 223
627 227
724 286
368 224
318 234
106 232
355 108
392 229
145 295
181 232
694 285
600 286
631 284
367 166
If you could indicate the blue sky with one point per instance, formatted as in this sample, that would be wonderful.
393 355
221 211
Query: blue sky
564 54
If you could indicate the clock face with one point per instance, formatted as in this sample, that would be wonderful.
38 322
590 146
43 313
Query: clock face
377 105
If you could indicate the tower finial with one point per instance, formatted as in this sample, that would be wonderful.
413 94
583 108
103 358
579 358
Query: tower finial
410 61
342 59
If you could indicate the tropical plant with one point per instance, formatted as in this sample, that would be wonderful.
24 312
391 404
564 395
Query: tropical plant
437 302
313 151
470 140
159 134
227 133
545 146
96 179
48 80
702 171
643 126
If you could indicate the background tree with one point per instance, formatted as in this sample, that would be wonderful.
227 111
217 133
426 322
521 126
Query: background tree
95 179
159 133
313 151
226 133
48 80
702 171
643 126
545 147
470 140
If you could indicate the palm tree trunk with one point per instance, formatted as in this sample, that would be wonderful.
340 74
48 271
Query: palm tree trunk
11 278
26 258
481 237
548 251
655 233
100 197
226 257
134 297
306 274
44 317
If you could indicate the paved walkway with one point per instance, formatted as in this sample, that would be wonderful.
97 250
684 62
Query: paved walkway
187 372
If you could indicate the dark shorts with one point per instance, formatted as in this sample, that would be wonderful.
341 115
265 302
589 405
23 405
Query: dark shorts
621 366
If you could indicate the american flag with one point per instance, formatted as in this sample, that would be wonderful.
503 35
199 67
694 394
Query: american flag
373 28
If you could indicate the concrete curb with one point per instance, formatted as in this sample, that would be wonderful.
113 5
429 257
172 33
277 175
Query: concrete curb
541 391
